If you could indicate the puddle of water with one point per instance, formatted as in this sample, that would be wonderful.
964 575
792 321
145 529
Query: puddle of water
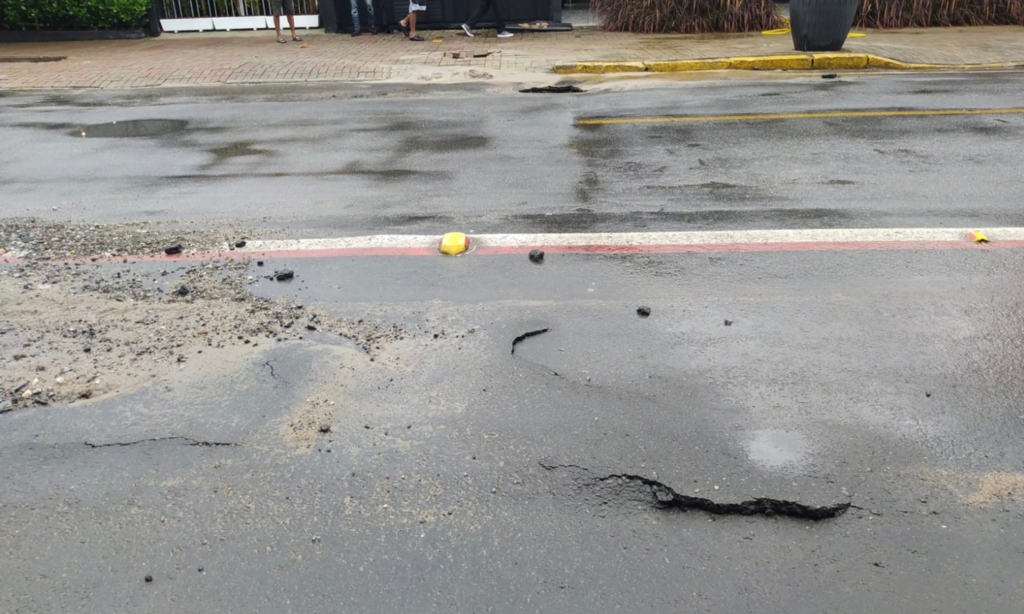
774 449
130 129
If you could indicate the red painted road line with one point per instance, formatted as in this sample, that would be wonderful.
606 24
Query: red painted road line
483 250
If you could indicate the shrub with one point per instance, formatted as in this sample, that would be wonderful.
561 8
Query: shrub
687 16
924 13
73 14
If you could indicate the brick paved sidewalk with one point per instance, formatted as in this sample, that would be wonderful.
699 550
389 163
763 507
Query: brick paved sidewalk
225 58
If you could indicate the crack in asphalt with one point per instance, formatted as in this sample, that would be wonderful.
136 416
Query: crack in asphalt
191 442
271 367
525 336
666 497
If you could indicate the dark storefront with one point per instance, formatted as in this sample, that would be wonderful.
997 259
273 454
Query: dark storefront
336 15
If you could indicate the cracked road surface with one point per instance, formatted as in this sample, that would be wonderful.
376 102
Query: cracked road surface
835 430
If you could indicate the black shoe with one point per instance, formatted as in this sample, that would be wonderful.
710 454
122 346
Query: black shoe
356 32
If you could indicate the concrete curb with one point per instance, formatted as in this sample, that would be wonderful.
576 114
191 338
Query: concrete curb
800 61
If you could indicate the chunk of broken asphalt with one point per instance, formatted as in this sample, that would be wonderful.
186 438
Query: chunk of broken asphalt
182 291
525 336
239 243
325 428
173 249
728 322
643 312
148 578
536 256
284 274
830 75
259 263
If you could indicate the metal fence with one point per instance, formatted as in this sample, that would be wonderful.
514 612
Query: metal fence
189 9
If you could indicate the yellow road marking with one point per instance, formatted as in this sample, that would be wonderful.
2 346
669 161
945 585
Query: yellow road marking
754 117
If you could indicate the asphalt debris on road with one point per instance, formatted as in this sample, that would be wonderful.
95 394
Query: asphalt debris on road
643 311
728 322
525 336
284 274
37 240
173 249
830 75
537 256
552 89
240 243
628 488
74 330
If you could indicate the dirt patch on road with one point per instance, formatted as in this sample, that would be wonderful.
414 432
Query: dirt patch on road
996 486
981 489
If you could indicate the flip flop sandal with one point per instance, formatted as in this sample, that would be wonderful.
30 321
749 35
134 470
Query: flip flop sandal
405 30
297 39
416 38
282 39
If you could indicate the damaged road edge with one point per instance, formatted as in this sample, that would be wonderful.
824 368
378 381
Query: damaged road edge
665 497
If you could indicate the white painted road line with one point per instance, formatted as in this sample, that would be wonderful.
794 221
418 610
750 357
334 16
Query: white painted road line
627 239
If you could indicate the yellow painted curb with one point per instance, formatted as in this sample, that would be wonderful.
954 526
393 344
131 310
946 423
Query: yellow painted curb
687 65
771 62
819 61
839 61
875 61
599 67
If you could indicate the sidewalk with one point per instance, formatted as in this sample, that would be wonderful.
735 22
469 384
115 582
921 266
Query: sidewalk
230 58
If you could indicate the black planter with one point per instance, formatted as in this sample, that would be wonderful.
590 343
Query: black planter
821 25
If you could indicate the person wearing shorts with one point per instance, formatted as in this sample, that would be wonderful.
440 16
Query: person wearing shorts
409 23
288 8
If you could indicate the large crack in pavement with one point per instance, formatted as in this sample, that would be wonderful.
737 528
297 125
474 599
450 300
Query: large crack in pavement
662 496
188 441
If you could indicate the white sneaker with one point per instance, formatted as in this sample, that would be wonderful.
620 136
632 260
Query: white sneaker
467 30
505 34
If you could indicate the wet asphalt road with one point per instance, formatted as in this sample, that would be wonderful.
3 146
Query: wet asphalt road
515 162
459 477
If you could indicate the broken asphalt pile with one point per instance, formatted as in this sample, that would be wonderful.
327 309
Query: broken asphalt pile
72 330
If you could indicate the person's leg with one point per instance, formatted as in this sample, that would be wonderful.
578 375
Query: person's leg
371 16
289 10
412 24
354 4
499 21
485 5
275 8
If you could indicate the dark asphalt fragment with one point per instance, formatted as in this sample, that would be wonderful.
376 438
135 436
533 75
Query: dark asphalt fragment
182 291
284 274
537 256
830 75
643 312
728 322
552 89
325 428
662 496
525 336
173 249
148 578
239 243
259 263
